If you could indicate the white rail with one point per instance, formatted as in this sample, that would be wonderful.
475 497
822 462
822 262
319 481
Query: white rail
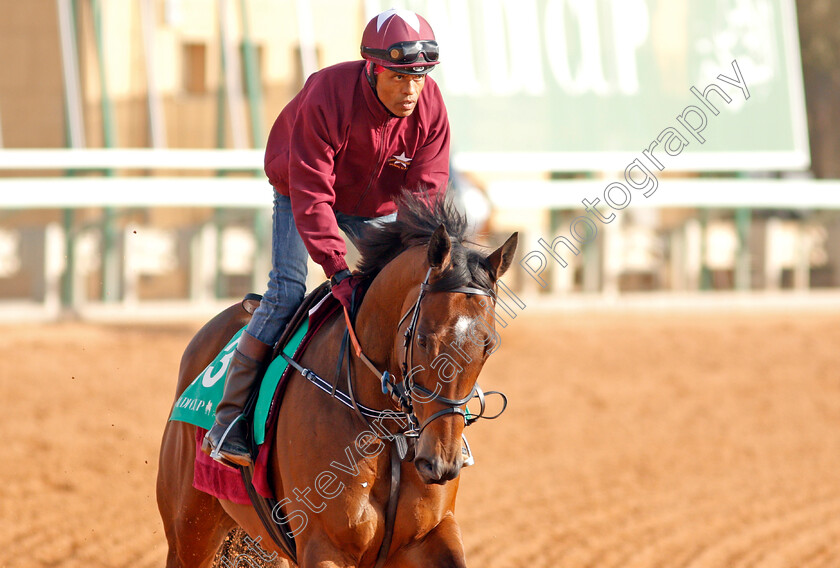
70 193
527 203
136 159
708 192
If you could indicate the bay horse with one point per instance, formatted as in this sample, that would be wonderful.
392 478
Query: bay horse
420 267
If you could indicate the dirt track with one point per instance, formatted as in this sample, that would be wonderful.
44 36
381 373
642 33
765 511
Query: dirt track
665 441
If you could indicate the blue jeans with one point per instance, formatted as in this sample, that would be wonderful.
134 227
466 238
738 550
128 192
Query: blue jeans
287 281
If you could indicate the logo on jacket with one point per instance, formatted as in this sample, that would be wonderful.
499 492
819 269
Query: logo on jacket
402 161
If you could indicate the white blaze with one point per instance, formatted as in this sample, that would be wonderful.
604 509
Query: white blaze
462 327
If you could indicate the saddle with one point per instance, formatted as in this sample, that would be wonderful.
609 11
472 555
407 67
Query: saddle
310 301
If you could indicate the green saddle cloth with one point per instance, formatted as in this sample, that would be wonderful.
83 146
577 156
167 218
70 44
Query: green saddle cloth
197 404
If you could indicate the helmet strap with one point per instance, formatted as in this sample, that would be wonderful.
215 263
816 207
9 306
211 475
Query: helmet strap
371 76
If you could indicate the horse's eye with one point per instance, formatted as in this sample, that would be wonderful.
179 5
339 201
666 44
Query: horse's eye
421 340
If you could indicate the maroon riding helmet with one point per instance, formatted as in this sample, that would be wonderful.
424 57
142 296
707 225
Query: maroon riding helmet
402 41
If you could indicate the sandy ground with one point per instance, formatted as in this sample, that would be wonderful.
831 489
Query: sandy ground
668 441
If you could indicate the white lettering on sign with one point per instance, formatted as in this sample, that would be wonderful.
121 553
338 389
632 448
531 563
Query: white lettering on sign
631 29
512 47
451 25
587 74
508 47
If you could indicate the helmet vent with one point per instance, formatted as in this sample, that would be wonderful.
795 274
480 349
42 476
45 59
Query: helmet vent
407 16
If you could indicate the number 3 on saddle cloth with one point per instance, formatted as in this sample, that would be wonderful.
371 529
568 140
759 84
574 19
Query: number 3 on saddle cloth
198 402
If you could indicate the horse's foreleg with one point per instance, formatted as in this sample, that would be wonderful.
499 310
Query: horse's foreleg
441 548
320 552
194 522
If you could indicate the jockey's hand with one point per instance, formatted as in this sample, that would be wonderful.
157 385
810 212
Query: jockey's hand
343 290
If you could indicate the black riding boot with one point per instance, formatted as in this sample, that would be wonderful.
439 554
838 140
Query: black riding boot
227 441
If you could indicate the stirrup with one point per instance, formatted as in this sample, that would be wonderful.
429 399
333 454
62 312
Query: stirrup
215 452
466 453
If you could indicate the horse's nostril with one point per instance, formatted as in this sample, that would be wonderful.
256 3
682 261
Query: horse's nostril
424 467
435 471
428 469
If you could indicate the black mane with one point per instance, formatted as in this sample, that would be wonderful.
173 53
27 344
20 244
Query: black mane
417 219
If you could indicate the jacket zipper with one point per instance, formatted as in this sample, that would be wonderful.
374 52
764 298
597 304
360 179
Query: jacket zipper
378 166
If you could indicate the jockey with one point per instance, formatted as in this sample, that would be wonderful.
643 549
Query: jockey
337 156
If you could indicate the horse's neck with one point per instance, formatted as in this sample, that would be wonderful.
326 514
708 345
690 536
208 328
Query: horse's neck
377 327
378 320
383 306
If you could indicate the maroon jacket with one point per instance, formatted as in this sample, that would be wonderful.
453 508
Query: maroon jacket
336 146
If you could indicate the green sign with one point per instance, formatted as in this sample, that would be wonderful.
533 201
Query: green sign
569 85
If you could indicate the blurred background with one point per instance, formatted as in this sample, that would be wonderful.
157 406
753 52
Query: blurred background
674 394
132 133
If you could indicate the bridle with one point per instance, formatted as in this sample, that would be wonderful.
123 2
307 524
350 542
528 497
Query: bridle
403 393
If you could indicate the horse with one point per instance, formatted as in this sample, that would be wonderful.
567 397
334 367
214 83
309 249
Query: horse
427 318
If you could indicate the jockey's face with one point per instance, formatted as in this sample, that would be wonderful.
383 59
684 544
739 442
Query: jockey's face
399 93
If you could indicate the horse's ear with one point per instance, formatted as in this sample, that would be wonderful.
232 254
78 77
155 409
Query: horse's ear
439 248
501 258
